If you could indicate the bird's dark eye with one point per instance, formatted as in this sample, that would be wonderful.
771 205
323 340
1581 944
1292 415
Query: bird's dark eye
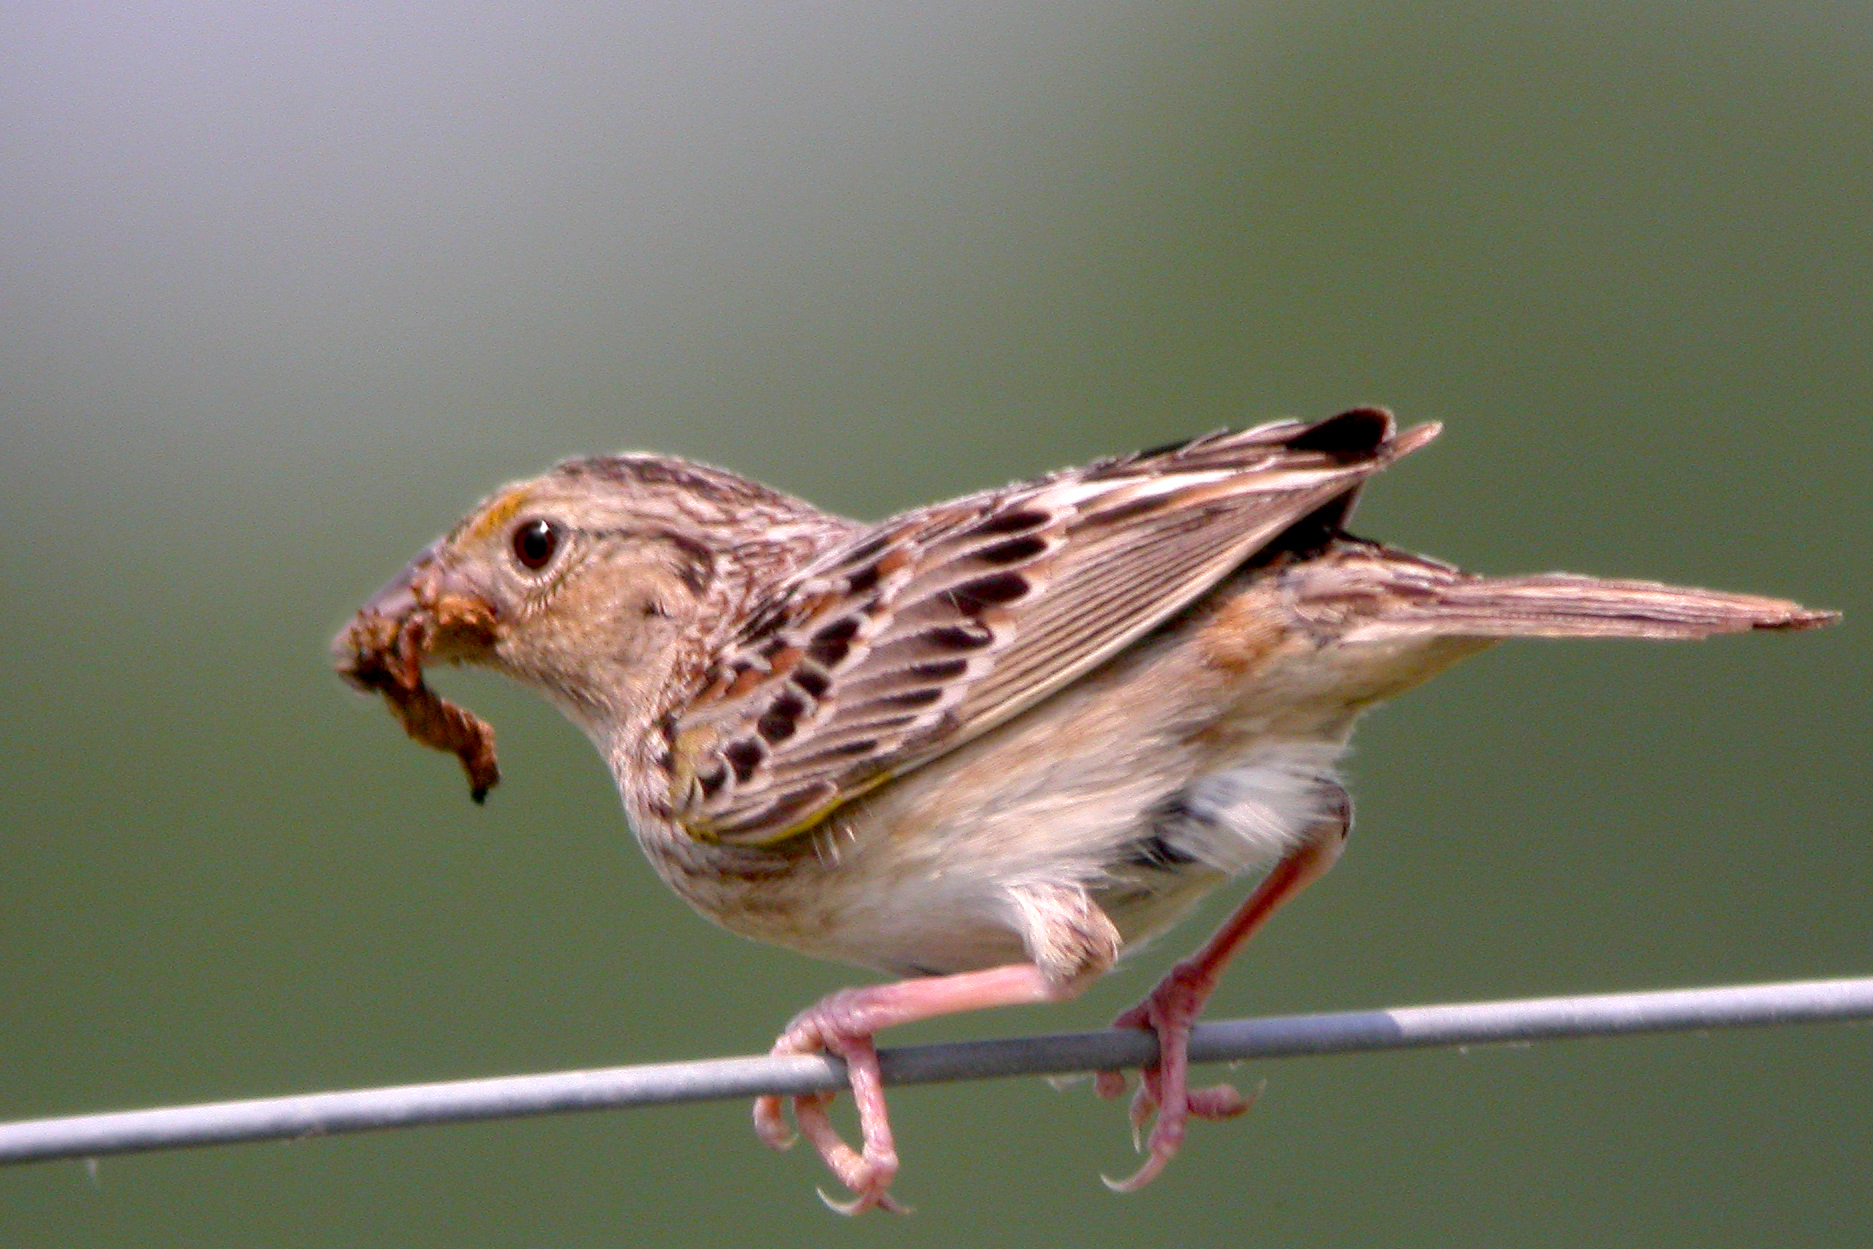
535 542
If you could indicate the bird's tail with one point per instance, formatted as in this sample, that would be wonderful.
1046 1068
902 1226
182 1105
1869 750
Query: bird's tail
1561 605
1403 596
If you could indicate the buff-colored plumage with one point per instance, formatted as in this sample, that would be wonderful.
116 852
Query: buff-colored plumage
989 744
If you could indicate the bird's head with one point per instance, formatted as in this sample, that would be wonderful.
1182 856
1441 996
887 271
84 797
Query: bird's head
596 583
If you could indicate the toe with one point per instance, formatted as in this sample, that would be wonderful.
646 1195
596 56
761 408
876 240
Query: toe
771 1125
1219 1101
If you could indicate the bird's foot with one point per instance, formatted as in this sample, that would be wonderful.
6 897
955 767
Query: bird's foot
844 1024
1163 1089
840 1024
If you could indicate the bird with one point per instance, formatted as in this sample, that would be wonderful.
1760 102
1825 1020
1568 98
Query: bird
988 746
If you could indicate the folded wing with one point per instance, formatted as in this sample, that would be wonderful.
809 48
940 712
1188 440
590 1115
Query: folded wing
931 628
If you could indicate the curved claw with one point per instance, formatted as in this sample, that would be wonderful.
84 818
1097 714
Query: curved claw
1144 1105
1139 1178
879 1200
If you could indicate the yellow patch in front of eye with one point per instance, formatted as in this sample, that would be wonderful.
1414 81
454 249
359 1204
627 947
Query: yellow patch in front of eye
495 514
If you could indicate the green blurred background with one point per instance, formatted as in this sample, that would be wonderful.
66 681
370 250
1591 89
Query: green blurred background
288 287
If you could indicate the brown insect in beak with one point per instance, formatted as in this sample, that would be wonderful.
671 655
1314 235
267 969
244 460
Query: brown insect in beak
424 613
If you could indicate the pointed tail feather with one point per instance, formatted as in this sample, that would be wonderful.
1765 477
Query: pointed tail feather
1562 605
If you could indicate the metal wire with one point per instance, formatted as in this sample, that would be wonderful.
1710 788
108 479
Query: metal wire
1287 1036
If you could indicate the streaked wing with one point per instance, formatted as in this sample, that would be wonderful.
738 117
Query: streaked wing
927 630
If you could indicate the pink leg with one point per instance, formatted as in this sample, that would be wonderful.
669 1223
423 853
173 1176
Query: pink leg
844 1023
1174 1005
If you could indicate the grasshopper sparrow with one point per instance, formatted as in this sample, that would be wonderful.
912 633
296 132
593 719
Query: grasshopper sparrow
985 746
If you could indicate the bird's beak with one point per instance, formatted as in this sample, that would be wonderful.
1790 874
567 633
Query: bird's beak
429 611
